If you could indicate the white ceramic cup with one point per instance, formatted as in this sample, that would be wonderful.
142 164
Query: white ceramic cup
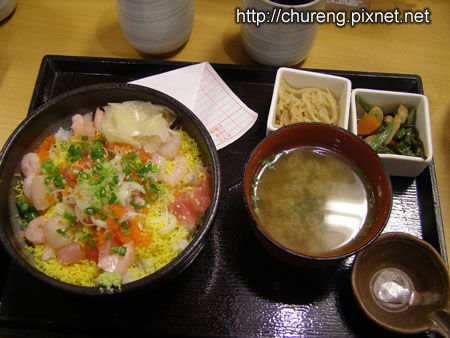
278 43
156 26
6 8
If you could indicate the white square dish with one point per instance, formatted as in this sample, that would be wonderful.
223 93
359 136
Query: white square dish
339 86
395 164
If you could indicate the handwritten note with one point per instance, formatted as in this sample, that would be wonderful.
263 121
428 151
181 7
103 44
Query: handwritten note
202 90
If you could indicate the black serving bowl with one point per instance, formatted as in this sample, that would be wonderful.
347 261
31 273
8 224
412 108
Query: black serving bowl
57 113
347 146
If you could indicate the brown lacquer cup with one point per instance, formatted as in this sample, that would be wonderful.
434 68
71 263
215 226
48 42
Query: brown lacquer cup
403 285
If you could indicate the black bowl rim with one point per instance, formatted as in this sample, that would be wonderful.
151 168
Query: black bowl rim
187 255
282 248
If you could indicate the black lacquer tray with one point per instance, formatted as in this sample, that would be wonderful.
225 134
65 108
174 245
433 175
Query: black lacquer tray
233 288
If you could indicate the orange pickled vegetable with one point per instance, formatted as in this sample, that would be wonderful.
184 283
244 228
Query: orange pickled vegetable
368 124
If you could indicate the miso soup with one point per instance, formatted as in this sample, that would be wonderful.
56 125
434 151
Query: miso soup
311 201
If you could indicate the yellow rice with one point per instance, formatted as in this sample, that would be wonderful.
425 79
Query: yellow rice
159 253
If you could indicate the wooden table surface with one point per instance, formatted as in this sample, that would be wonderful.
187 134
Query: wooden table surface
91 28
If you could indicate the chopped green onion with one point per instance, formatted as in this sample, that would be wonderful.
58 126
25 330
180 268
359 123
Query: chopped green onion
74 153
94 181
113 198
154 168
254 198
126 170
59 182
96 151
27 211
125 232
137 206
154 188
101 192
52 174
69 217
255 182
268 164
47 166
80 234
122 251
61 231
64 232
23 206
31 215
90 211
97 167
125 228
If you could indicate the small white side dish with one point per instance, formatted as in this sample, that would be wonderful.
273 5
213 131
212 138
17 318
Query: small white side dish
339 86
399 165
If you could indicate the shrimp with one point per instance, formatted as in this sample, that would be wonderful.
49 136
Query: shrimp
161 163
178 173
27 182
52 230
83 126
170 148
35 230
98 119
30 164
39 195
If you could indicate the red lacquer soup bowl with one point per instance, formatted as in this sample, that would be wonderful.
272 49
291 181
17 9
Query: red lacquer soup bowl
321 139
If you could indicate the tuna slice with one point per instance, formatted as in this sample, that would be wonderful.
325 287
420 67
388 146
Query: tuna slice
189 206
